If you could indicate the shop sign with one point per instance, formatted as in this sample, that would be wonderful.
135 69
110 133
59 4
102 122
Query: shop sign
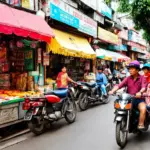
98 18
142 56
63 16
118 47
39 55
123 34
62 12
29 4
29 60
104 9
137 50
46 59
133 44
90 3
71 3
14 2
107 36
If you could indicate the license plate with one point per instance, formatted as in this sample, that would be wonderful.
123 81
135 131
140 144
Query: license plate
28 116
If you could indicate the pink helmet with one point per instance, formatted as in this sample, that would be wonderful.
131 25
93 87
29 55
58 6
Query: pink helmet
135 64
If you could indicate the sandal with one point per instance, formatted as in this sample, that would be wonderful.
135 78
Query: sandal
141 127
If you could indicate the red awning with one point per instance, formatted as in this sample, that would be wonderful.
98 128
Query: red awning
24 24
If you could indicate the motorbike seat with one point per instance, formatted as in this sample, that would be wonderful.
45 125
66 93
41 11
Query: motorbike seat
59 93
90 84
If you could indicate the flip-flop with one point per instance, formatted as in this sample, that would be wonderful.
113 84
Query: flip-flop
141 127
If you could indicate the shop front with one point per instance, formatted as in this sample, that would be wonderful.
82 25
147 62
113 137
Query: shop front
72 51
20 36
106 57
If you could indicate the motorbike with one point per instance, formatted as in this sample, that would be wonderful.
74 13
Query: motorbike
126 118
48 108
89 95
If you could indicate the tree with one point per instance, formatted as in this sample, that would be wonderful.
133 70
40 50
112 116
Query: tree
140 12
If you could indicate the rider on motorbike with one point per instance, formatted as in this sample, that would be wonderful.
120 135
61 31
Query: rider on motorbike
101 80
146 70
136 85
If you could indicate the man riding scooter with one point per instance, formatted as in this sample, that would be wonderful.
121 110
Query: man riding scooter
136 85
101 80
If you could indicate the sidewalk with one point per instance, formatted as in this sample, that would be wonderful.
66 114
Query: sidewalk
15 139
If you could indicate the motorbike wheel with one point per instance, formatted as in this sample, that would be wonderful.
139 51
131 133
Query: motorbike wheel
71 112
121 136
83 101
35 127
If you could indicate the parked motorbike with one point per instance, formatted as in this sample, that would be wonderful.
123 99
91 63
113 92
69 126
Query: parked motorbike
50 107
89 95
126 118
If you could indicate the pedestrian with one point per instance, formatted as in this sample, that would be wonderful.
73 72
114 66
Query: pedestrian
63 78
107 70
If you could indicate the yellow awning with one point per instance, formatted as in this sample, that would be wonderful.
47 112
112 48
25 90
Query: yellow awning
70 45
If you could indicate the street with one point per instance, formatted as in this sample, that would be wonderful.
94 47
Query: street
93 130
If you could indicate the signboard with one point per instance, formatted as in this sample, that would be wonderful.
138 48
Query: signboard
46 59
29 60
14 2
133 44
29 4
39 55
62 12
91 4
98 18
123 34
104 9
107 36
62 16
118 47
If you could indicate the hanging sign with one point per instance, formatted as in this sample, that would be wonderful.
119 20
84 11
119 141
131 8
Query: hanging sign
46 59
39 55
29 60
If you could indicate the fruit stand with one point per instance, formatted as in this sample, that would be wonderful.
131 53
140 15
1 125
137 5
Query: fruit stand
11 106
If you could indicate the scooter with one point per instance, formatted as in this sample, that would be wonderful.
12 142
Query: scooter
126 118
89 95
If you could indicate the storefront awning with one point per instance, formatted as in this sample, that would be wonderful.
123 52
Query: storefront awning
70 45
24 24
111 56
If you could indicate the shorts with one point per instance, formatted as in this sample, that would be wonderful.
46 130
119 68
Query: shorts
136 102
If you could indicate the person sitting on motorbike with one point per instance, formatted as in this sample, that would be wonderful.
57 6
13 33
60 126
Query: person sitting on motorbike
101 80
146 70
63 79
136 85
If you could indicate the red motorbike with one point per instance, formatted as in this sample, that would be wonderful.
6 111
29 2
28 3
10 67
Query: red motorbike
51 107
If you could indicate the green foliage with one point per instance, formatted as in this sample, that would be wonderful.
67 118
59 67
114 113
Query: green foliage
124 6
146 36
108 2
140 12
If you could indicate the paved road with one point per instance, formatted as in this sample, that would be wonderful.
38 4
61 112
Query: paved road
93 130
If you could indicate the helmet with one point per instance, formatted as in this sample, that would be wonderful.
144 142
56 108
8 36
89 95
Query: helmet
100 68
146 66
135 64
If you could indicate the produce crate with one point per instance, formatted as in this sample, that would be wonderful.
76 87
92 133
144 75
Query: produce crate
8 113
